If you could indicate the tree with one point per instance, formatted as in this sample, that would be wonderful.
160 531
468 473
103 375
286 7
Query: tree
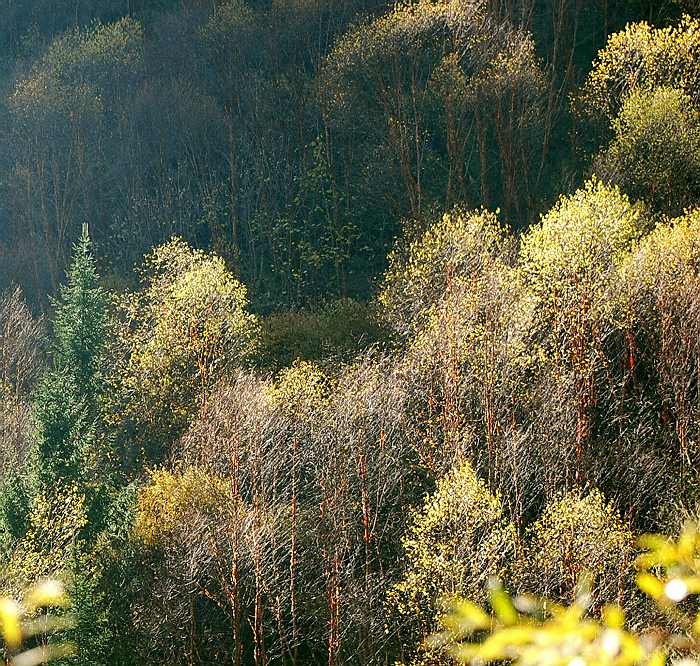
569 262
576 535
67 402
655 152
179 335
412 87
641 57
457 249
22 342
58 114
660 294
457 299
454 543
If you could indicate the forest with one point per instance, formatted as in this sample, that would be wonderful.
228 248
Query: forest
326 325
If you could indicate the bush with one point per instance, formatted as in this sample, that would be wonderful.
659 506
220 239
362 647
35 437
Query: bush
336 331
655 152
454 543
576 534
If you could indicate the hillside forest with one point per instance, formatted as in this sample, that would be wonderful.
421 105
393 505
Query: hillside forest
316 313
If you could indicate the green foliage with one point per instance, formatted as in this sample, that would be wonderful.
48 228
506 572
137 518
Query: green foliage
93 630
454 543
337 330
80 321
15 505
655 152
457 250
643 57
576 534
67 406
179 335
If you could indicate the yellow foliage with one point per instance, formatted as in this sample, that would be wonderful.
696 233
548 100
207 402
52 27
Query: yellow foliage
486 317
642 56
572 251
169 497
302 389
55 522
179 335
667 260
655 152
455 543
570 262
195 313
529 631
19 623
576 534
457 251
472 64
77 66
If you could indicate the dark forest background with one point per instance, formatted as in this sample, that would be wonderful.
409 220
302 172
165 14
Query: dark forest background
261 131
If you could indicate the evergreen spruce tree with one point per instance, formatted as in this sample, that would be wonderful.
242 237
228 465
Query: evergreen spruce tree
67 405
70 444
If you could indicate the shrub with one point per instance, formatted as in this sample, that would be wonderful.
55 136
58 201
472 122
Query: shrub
655 151
454 543
336 331
576 534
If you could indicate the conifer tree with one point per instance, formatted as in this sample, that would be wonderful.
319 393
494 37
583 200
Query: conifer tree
67 401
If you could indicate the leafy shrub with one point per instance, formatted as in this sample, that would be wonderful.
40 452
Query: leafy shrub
655 151
164 502
576 534
454 543
336 331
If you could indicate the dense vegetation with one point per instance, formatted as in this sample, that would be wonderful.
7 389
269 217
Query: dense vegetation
317 312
